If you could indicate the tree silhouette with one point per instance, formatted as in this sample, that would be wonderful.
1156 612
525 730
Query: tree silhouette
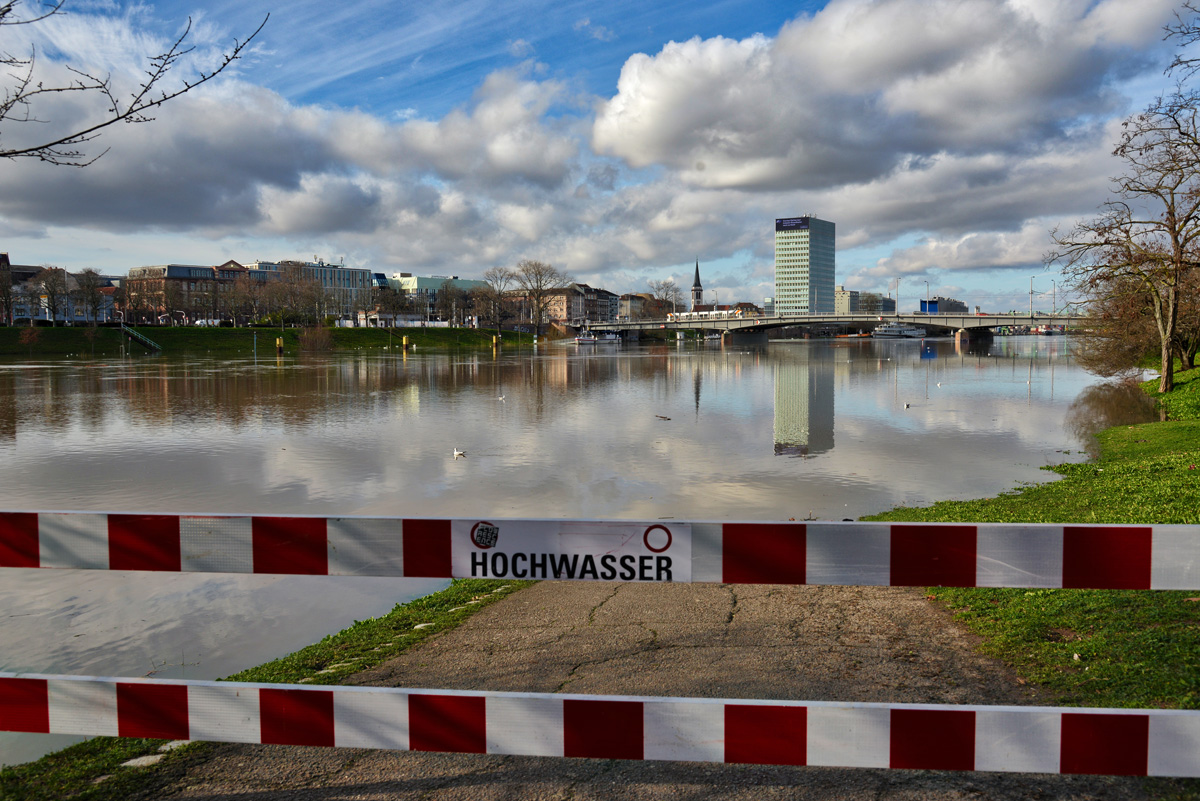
24 91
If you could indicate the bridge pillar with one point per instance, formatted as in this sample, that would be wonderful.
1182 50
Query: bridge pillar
744 338
972 334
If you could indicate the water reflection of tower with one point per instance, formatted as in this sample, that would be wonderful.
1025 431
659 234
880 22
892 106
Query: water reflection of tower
803 404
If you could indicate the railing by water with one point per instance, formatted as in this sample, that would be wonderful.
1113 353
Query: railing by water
140 338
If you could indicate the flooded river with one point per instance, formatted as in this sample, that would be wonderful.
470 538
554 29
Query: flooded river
827 430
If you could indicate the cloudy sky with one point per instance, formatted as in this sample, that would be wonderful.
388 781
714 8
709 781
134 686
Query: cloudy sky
620 141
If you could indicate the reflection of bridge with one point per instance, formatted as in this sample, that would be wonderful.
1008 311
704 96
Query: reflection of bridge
952 322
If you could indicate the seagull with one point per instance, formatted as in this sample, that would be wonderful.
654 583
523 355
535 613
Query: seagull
939 383
906 406
458 453
501 398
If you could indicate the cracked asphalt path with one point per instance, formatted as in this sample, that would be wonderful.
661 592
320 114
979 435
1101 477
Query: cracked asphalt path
726 641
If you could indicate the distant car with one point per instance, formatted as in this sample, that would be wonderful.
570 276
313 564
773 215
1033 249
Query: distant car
207 323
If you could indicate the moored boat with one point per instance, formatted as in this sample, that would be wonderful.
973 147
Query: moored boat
587 337
898 330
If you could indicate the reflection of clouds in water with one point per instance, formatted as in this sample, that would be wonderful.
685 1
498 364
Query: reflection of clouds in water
576 436
126 624
181 626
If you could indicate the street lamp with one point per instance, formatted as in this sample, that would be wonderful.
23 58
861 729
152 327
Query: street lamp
927 297
1031 297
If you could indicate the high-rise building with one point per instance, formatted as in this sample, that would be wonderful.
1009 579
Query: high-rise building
804 265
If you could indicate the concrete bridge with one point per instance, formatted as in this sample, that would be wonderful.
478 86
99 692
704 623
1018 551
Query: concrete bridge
751 328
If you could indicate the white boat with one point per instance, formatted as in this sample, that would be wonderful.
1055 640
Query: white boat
586 337
896 330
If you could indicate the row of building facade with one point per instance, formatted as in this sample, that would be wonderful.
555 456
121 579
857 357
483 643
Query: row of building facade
805 267
188 293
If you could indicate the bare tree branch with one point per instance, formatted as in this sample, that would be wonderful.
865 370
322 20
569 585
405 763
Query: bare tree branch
1186 30
1146 240
17 103
537 280
667 292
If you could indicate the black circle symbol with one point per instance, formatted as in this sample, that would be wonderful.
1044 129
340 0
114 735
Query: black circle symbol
489 540
646 538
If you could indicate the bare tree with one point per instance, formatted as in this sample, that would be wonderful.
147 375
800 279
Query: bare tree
87 293
537 280
1122 331
1147 237
667 293
452 302
490 301
166 296
246 298
390 302
1186 31
25 89
132 299
296 297
870 302
50 287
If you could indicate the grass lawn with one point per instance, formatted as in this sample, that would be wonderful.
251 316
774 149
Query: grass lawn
1098 648
84 342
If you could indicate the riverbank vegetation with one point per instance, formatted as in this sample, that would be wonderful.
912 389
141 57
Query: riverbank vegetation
105 342
1098 648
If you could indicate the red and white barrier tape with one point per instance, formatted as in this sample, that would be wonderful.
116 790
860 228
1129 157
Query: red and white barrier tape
981 738
867 554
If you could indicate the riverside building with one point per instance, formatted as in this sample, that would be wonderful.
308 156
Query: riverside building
804 266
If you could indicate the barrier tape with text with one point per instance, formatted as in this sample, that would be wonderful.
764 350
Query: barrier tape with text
864 554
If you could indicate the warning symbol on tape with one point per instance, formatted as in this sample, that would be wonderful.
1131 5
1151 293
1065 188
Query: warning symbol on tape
485 535
647 539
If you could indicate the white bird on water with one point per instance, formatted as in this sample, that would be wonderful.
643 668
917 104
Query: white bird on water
500 398
458 453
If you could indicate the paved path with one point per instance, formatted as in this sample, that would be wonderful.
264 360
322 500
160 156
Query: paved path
731 641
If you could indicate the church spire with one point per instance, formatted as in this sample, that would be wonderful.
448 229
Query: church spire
697 289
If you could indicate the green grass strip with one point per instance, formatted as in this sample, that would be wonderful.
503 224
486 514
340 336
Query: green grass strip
83 342
1183 402
92 771
368 643
75 772
1097 648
